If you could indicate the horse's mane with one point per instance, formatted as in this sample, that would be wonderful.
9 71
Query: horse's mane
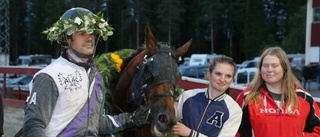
126 61
130 57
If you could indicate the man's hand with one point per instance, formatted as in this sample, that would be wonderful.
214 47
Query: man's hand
140 115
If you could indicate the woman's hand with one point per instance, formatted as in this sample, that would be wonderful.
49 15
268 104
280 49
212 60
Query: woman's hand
180 129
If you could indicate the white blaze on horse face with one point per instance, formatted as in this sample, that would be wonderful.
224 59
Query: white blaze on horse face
158 133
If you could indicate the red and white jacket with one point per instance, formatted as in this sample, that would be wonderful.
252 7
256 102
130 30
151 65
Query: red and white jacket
266 119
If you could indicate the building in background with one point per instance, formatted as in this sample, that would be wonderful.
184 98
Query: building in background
312 46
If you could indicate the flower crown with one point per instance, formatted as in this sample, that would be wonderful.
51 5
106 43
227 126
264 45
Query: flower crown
89 23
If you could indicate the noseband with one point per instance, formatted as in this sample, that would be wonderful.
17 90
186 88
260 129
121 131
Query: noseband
157 68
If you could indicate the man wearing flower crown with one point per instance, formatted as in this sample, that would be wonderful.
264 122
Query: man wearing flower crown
67 97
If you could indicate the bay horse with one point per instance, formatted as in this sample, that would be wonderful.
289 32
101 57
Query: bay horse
149 77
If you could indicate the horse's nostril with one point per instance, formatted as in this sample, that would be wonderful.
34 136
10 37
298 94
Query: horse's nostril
163 118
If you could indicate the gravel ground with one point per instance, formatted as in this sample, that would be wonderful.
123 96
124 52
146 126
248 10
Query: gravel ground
13 120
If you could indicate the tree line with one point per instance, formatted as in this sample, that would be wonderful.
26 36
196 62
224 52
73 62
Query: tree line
236 28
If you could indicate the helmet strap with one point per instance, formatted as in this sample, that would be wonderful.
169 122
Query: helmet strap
69 55
80 55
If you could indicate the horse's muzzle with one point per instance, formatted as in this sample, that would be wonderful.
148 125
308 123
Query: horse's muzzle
162 124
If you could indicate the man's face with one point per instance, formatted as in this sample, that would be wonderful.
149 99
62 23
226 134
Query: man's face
83 42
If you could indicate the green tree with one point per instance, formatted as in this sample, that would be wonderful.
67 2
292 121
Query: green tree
255 29
119 14
239 29
213 11
17 30
169 19
234 21
143 14
222 26
36 41
295 41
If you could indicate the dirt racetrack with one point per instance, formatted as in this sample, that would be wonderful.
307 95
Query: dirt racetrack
13 120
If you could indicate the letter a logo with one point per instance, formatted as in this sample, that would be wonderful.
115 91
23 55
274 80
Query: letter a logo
217 117
33 99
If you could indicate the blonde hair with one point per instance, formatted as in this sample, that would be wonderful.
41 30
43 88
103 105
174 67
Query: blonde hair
287 85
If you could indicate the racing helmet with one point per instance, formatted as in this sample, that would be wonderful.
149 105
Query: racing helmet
75 12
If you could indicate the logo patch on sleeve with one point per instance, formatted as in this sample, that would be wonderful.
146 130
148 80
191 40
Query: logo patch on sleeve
33 99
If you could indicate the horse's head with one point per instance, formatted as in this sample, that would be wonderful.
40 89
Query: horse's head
155 81
153 76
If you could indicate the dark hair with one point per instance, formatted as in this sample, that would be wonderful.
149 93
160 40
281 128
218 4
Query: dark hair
223 59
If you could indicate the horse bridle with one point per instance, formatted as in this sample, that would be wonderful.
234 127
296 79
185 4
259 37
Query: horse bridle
149 74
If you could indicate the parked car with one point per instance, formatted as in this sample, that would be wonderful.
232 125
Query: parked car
198 71
298 62
248 64
244 76
186 61
201 59
40 60
19 83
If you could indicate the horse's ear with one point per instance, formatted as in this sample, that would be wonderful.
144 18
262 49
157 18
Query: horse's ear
183 49
151 42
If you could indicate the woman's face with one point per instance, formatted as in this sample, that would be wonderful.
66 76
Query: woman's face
221 77
271 70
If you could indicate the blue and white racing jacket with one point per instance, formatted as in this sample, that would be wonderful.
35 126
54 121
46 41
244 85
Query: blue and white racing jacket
68 100
206 117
